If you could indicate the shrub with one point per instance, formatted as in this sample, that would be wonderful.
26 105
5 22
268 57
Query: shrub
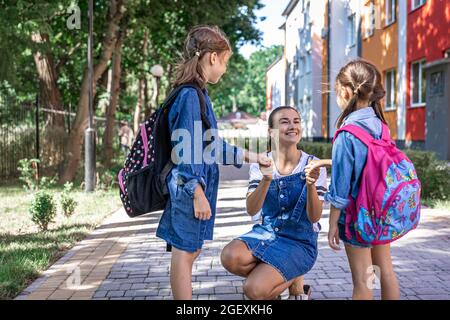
47 182
27 168
68 204
321 150
434 174
43 209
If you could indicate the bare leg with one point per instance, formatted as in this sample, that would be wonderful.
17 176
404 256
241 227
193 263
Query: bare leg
360 261
265 283
381 257
237 259
181 273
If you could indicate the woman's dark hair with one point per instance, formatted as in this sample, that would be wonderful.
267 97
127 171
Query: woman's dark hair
270 122
364 79
200 40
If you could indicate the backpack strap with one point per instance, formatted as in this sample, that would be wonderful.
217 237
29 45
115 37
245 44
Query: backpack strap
385 132
201 97
358 132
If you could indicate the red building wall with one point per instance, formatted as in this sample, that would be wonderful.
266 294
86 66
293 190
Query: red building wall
428 38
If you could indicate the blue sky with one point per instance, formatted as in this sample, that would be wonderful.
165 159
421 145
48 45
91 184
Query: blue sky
271 34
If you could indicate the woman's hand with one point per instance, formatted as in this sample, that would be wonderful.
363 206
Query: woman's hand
202 209
333 236
312 172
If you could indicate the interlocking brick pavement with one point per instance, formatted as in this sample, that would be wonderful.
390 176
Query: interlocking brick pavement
122 259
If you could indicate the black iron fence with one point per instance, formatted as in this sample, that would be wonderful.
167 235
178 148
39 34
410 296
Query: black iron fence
24 134
19 134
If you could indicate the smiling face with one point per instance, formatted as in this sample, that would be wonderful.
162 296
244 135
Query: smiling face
286 129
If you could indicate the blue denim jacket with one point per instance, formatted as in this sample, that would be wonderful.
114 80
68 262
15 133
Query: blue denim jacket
178 225
185 114
349 156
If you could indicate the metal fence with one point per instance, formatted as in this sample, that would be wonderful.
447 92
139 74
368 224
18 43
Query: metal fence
24 134
18 134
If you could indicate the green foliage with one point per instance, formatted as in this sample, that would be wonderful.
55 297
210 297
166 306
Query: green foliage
320 150
48 182
434 174
27 169
68 203
43 209
245 81
165 22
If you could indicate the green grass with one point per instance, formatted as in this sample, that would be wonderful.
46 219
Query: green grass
437 204
25 251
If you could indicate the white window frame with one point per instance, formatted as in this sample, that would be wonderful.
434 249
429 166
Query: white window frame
418 5
391 101
351 30
392 4
370 21
421 102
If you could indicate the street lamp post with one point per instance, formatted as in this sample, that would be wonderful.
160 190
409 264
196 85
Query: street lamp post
89 134
157 71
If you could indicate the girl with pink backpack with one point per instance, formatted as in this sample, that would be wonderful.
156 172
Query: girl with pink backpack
374 191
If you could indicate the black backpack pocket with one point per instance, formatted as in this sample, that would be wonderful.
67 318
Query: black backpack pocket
145 192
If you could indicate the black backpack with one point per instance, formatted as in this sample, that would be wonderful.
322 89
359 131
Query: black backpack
142 180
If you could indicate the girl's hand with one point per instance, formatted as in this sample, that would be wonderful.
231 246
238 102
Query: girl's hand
319 163
202 210
312 172
333 237
262 159
267 171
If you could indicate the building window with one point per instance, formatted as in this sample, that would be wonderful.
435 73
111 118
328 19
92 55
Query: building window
391 89
390 11
308 62
302 66
417 3
447 54
369 20
418 84
306 14
351 30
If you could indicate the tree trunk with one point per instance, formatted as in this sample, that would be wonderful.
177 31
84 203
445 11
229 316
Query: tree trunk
111 111
75 141
147 102
141 87
53 146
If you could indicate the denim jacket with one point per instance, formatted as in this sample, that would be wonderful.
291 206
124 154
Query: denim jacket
349 156
185 116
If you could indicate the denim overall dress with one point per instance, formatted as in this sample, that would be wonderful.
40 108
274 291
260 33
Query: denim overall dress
286 239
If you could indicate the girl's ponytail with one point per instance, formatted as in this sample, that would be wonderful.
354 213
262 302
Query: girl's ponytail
365 81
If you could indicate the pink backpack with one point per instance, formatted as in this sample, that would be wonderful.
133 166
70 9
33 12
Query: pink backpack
388 203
